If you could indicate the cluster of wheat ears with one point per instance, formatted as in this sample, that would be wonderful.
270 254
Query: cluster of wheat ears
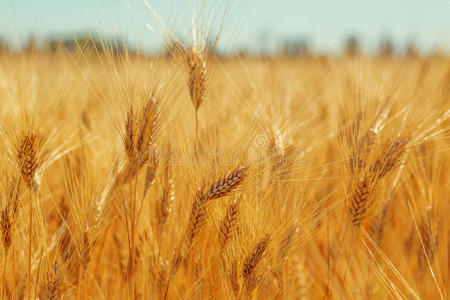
199 177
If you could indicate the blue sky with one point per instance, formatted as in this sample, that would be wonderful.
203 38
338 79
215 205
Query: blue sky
252 24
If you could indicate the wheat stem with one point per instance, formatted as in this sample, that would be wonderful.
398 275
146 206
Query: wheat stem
29 243
13 267
79 283
196 133
131 250
4 276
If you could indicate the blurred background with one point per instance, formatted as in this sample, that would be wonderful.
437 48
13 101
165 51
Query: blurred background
263 27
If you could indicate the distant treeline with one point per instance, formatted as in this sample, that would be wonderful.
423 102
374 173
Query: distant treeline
290 47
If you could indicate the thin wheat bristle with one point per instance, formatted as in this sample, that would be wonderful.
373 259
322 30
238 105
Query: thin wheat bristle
177 259
364 148
378 225
120 257
161 278
14 188
389 160
429 236
286 243
66 247
86 251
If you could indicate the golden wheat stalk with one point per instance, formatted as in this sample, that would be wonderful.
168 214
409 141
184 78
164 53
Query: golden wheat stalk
28 162
196 65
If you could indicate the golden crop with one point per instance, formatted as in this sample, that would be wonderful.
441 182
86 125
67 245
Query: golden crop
218 178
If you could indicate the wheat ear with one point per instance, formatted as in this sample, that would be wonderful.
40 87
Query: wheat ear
226 184
196 63
228 224
251 262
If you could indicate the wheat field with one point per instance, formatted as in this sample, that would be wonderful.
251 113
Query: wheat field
201 177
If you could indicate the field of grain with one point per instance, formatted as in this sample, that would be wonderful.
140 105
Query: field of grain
224 178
